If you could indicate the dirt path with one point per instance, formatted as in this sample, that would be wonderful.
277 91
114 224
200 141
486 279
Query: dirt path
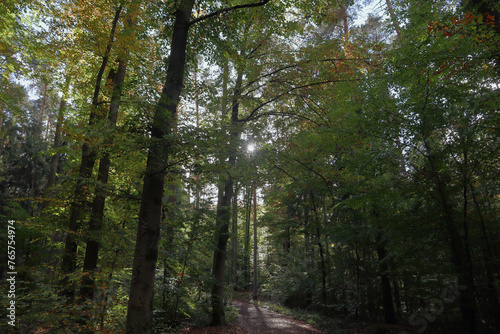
258 320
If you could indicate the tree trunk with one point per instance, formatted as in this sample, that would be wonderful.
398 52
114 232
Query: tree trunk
321 250
490 263
307 246
223 215
255 242
51 180
140 305
221 237
96 218
461 260
234 236
86 167
387 300
97 215
394 19
246 249
346 24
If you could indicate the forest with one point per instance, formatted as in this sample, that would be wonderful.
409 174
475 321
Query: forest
338 159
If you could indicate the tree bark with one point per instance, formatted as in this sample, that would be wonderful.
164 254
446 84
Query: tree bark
246 249
51 180
307 246
255 242
96 218
394 19
222 236
140 305
224 214
97 215
387 300
234 236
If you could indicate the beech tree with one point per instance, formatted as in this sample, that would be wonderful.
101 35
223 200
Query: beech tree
140 312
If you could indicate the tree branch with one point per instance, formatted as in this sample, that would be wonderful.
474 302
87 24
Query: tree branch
284 171
252 113
305 166
226 10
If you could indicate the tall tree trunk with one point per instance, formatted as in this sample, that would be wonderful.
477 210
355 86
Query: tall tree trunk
86 166
387 300
57 137
43 107
255 241
96 218
246 248
140 304
97 214
320 247
490 263
223 215
234 236
461 260
394 19
307 246
108 292
221 237
225 79
346 24
286 243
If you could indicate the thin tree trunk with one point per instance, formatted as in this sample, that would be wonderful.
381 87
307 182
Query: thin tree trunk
57 137
490 263
86 166
322 266
107 293
234 236
255 241
140 305
286 243
387 300
463 266
246 249
321 251
346 24
394 19
97 215
223 215
397 298
43 107
92 249
307 245
225 79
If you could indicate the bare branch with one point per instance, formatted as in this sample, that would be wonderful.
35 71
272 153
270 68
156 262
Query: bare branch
284 171
277 97
226 10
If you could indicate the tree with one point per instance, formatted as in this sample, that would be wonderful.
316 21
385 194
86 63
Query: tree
139 315
88 158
